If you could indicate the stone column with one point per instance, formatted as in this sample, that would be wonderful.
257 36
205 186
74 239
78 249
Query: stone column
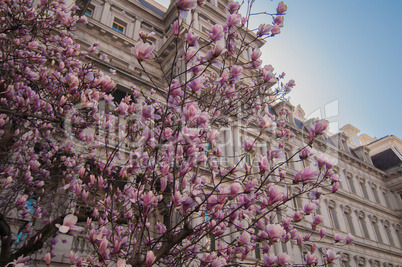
105 13
137 27
196 24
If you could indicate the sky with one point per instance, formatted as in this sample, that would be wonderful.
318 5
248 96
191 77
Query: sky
345 57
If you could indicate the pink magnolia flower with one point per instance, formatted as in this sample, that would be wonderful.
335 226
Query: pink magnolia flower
192 38
275 29
143 51
69 224
236 71
338 238
331 255
215 52
318 219
283 259
216 32
186 5
150 258
48 258
297 216
318 129
267 123
322 232
335 187
269 260
248 144
305 153
233 7
316 194
264 29
275 231
349 238
309 208
103 246
281 8
311 259
176 27
233 19
263 164
235 189
244 238
275 195
279 20
306 175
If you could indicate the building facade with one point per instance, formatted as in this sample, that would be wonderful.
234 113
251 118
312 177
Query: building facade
368 203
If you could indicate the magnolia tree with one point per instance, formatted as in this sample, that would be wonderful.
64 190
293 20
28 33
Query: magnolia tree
145 180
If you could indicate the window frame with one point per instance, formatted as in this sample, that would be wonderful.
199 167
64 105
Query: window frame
119 23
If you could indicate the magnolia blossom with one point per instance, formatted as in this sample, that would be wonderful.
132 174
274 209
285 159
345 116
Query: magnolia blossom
281 8
267 123
69 224
309 208
318 129
216 32
143 51
48 258
269 260
330 255
186 5
309 174
349 238
283 259
248 144
264 29
311 259
244 238
305 153
275 231
150 258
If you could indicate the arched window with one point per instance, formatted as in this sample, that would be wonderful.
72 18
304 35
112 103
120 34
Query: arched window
332 214
362 223
374 221
387 227
348 220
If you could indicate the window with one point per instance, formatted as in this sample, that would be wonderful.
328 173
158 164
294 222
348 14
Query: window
364 189
398 233
362 224
297 201
332 215
119 26
349 222
375 192
389 234
89 12
351 184
387 199
374 221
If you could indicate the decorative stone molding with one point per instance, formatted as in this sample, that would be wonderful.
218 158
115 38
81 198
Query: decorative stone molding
360 214
373 218
360 261
345 257
374 263
346 209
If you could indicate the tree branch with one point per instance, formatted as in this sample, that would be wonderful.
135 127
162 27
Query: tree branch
47 232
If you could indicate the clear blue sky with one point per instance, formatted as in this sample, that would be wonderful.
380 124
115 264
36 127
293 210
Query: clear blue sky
344 50
349 51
